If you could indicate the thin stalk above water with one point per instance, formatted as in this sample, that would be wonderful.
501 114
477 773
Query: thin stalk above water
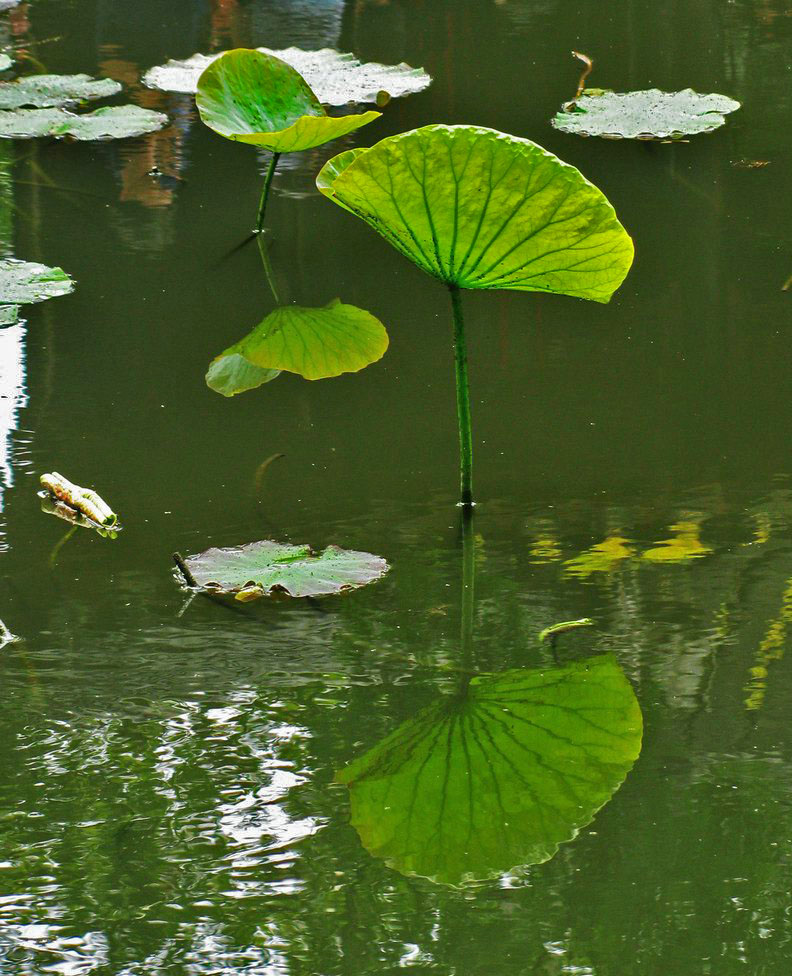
265 191
463 403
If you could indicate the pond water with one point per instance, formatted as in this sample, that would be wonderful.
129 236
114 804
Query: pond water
169 801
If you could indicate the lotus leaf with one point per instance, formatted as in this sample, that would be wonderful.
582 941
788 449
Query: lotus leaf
5 62
257 99
230 373
25 282
9 315
279 567
648 114
499 776
115 122
53 91
315 342
480 209
335 78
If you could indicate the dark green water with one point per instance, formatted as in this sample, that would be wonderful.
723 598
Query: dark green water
167 795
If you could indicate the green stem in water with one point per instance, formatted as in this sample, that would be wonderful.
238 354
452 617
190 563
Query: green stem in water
463 402
265 191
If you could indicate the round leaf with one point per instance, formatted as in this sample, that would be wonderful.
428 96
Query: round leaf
254 98
25 282
499 777
115 122
480 209
648 114
52 91
275 566
316 343
335 78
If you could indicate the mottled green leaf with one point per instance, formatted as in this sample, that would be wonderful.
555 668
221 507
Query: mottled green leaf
499 776
52 91
650 114
316 343
480 209
25 282
231 373
335 78
257 99
114 122
275 566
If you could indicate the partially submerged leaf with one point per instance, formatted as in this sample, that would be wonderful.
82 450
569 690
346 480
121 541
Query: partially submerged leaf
52 91
25 282
650 114
279 567
83 500
316 343
499 776
335 78
230 373
53 506
257 99
478 208
114 122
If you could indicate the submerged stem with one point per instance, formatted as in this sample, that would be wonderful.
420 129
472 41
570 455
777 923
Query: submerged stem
463 402
265 191
265 260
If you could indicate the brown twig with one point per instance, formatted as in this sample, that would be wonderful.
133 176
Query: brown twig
589 65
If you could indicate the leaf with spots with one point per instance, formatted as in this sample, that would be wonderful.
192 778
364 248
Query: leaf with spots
250 97
497 777
480 209
114 122
279 567
54 91
316 343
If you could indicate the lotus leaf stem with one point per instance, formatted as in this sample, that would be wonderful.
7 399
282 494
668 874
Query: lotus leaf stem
463 403
184 569
265 191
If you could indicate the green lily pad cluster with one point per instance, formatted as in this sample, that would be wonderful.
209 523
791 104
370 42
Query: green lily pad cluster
315 343
26 282
650 114
335 78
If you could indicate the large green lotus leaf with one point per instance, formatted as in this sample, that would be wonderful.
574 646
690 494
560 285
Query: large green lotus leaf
316 343
480 209
276 566
114 122
648 114
52 91
257 99
335 78
25 282
231 373
498 777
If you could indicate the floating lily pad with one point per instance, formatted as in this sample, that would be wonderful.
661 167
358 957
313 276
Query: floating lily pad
254 98
230 373
278 567
53 91
316 343
5 62
335 78
499 776
478 208
25 282
648 114
114 122
9 315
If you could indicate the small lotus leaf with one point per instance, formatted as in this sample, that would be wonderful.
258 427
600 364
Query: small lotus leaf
316 343
52 91
480 209
254 98
498 777
278 567
335 78
648 114
230 373
115 122
25 282
5 62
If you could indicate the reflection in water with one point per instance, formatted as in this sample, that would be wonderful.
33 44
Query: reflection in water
497 777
